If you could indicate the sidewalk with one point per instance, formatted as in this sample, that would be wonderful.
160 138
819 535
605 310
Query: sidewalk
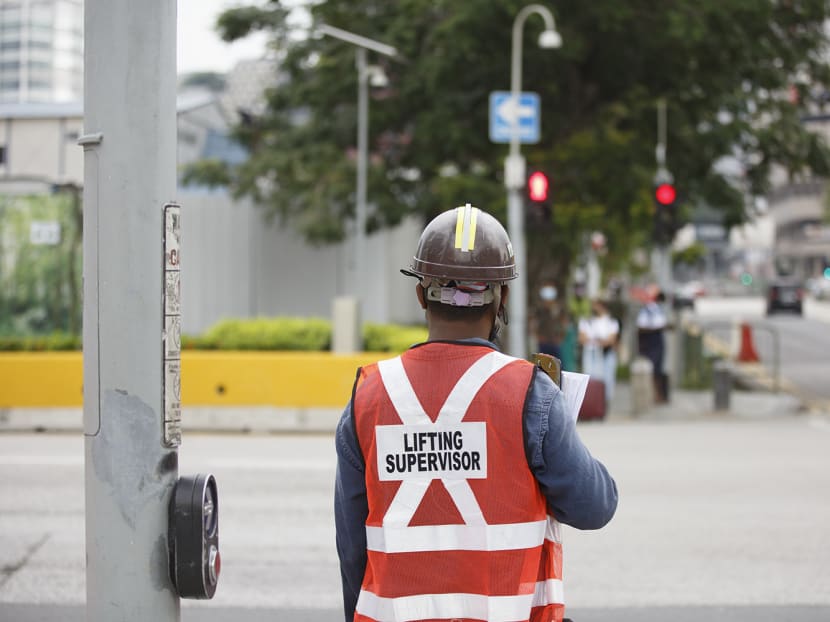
683 405
686 404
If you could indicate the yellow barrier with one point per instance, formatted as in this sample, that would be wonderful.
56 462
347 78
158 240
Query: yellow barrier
217 378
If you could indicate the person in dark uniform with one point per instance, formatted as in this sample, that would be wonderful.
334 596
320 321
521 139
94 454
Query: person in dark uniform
651 326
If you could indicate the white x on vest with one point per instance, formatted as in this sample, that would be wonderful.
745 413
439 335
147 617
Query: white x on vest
475 534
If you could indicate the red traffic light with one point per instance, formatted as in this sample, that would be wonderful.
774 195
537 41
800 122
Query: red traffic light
537 187
665 194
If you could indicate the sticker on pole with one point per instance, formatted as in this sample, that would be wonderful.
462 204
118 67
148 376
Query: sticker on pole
172 322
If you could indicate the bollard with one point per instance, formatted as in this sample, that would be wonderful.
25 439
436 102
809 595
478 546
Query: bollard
722 384
346 335
693 351
642 385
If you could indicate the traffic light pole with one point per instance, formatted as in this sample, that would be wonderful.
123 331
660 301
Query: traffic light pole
661 256
514 177
129 176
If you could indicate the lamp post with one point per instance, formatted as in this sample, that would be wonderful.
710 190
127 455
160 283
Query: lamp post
366 75
514 174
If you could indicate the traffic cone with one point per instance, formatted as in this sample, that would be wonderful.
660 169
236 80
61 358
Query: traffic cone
747 353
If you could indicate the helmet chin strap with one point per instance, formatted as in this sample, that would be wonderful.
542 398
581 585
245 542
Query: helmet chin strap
501 319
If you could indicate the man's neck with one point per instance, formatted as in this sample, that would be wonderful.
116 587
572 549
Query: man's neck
454 335
456 331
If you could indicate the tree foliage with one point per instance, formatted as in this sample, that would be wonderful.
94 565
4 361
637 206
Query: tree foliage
737 76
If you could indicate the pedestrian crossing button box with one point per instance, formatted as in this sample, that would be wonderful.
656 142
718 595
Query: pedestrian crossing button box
193 536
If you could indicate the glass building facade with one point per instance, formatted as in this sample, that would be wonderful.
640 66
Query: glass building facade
41 50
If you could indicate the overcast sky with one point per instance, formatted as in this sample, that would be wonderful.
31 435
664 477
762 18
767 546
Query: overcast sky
200 48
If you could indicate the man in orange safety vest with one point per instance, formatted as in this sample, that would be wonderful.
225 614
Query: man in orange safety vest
456 463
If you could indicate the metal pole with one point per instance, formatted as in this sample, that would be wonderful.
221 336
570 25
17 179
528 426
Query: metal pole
362 44
514 180
129 174
661 133
362 156
661 257
517 328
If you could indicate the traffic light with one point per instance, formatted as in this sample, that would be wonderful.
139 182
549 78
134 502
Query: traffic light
538 187
538 195
665 212
665 194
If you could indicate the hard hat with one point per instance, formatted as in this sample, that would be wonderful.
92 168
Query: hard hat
464 244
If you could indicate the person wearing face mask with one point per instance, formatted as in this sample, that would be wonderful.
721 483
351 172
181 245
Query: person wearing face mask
549 322
456 463
598 335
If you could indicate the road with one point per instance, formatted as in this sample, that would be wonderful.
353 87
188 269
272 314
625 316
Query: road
720 518
803 343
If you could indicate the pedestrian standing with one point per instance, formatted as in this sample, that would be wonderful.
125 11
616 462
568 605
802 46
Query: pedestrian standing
456 463
651 326
549 321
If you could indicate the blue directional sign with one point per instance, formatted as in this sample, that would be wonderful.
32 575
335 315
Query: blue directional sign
525 113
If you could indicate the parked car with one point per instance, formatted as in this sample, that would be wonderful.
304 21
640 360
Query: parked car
784 295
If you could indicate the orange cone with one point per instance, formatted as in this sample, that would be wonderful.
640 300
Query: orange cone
747 353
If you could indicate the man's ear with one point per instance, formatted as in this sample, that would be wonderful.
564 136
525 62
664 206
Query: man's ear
505 293
421 293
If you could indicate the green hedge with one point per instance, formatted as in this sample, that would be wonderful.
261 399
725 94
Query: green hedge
280 333
40 343
392 338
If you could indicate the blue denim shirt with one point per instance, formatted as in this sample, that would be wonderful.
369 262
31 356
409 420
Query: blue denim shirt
578 488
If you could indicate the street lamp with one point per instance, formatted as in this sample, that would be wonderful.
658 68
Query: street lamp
514 175
366 75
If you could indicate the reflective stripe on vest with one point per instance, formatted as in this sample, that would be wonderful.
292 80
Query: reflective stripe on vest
449 606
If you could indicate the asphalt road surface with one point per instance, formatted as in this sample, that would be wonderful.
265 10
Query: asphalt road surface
720 518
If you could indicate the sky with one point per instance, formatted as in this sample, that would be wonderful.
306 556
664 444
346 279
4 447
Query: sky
199 48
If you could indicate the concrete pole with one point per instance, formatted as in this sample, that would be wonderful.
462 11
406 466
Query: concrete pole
129 174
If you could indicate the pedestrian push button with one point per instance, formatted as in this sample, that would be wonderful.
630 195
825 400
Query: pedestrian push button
193 536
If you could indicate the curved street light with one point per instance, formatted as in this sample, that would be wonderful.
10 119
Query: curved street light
515 174
367 75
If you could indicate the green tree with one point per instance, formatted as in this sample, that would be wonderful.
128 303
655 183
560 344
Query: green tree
736 75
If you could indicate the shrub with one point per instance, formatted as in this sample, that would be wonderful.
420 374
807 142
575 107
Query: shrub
392 337
57 341
281 333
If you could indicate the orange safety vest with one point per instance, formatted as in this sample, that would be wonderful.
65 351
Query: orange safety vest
458 528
